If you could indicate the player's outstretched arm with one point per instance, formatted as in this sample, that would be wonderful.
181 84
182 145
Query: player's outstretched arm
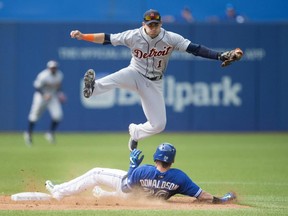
135 161
207 197
93 37
226 57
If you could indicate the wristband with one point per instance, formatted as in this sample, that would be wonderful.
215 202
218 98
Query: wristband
88 37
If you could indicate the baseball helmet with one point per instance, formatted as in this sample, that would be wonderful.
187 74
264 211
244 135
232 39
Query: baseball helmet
165 152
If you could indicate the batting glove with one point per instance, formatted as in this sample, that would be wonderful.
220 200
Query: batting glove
135 161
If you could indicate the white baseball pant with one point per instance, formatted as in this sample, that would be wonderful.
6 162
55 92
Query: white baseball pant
111 178
39 105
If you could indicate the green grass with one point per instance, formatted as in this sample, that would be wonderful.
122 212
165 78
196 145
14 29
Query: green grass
253 165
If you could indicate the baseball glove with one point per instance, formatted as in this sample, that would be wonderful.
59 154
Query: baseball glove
230 56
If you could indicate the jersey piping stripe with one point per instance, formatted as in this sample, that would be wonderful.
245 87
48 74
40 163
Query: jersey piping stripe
156 46
147 49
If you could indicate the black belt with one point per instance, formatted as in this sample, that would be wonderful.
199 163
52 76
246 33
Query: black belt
153 78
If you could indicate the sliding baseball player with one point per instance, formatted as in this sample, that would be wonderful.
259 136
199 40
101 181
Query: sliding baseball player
152 181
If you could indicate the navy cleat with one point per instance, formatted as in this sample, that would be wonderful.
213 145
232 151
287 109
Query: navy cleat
89 81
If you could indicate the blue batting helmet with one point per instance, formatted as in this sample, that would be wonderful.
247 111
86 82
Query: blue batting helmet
165 152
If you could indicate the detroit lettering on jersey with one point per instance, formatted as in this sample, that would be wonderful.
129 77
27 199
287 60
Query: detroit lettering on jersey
162 185
153 53
150 56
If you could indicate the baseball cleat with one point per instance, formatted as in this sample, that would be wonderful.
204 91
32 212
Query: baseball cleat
28 139
97 191
50 137
50 187
228 197
132 144
89 81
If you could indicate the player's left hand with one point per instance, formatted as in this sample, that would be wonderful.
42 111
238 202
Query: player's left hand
230 56
135 161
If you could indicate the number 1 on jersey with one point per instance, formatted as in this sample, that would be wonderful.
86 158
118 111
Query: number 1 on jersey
159 64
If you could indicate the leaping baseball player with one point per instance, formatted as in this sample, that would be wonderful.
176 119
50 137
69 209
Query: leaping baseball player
151 47
153 181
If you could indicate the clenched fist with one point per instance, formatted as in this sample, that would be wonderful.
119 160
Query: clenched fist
76 34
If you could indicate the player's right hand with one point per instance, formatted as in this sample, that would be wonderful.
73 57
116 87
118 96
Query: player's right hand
135 161
76 34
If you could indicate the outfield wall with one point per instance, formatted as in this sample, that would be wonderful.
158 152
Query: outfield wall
250 95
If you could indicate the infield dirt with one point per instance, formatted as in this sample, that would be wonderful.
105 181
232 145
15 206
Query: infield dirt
92 203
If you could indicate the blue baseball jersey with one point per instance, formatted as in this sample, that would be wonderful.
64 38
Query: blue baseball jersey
162 185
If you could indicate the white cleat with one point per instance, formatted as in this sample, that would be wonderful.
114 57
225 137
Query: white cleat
50 187
50 137
27 139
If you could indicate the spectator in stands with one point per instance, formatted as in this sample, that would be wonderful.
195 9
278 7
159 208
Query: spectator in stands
185 16
231 15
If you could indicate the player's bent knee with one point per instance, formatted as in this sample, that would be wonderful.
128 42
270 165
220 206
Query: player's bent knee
33 118
159 127
57 118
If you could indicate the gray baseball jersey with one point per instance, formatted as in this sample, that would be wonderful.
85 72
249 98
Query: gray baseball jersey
150 56
46 84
